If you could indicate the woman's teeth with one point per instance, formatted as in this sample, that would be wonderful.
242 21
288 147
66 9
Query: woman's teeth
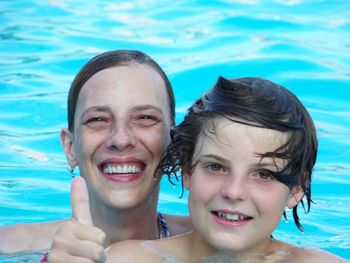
122 169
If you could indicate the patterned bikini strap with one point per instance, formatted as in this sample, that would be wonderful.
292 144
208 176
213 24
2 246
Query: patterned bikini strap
164 229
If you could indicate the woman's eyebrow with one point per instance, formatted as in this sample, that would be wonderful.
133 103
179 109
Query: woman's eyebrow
147 107
95 109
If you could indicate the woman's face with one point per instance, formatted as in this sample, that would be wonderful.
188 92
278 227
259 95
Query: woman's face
122 125
235 203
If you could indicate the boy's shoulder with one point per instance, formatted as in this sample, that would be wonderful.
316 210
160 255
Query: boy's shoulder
133 251
313 255
286 252
164 250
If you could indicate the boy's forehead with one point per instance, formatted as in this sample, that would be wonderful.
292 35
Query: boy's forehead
229 134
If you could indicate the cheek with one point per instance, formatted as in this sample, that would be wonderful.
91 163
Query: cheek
155 140
81 150
201 191
86 144
273 202
201 195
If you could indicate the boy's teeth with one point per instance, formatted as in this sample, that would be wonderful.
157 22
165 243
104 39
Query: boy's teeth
231 217
121 169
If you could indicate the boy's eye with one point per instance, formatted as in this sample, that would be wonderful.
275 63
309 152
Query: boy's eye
265 175
215 167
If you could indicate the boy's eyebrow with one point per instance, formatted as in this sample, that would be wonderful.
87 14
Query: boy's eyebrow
213 156
260 164
267 162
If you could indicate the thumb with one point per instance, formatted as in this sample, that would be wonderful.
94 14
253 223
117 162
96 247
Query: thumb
80 201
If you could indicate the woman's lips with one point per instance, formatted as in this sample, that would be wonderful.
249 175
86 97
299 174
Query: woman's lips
122 168
125 170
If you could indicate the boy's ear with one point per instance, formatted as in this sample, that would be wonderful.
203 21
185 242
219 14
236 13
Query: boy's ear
296 195
68 147
186 180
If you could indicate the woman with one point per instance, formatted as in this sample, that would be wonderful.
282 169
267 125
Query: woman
246 151
120 110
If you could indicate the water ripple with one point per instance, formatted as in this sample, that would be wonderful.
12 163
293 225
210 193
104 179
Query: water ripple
303 45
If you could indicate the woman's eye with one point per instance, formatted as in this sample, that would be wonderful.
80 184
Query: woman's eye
146 120
96 122
147 117
95 119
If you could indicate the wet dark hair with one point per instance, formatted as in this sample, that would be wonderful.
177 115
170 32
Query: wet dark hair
111 59
254 102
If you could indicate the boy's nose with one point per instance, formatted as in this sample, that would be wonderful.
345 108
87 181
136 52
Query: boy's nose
235 188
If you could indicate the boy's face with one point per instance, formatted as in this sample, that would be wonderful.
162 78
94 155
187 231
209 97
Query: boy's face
234 202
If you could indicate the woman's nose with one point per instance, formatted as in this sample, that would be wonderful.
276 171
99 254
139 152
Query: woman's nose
121 137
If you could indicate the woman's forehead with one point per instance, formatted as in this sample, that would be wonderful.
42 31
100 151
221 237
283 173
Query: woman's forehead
124 85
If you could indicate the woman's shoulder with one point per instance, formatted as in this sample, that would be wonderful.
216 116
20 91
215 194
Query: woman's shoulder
27 237
178 224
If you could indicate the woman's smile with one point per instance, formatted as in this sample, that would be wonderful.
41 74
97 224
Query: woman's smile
122 170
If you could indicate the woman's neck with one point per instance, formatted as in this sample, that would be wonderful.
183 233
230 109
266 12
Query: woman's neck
123 224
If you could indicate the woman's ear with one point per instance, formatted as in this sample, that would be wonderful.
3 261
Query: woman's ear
186 180
68 147
296 195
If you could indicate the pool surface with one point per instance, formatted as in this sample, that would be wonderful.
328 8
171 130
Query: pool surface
303 45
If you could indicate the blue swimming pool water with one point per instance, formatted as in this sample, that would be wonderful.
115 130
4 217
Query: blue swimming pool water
304 45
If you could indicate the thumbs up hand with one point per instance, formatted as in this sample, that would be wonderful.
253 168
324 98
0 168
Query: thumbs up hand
80 202
77 240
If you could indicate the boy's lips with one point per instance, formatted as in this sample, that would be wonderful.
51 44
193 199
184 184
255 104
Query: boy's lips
230 216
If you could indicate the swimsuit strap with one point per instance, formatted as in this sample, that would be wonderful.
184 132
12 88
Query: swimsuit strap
163 227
